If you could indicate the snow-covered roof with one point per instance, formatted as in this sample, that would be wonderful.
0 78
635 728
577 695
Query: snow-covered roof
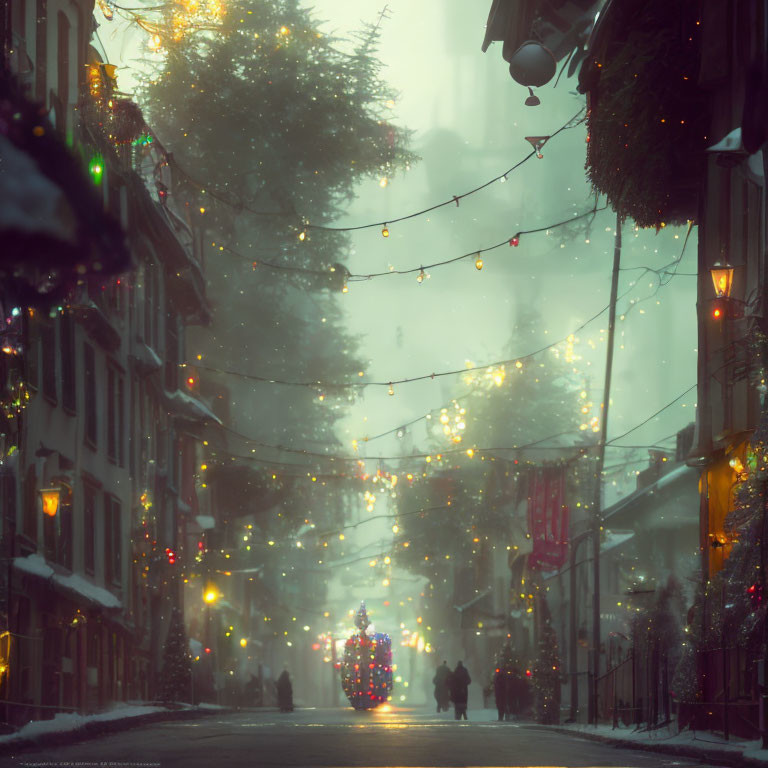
664 483
31 202
146 357
206 522
191 406
615 539
35 565
195 647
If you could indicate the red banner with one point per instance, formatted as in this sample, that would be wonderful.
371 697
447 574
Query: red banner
548 518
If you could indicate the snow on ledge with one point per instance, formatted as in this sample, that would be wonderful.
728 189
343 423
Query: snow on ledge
65 722
83 587
702 740
35 565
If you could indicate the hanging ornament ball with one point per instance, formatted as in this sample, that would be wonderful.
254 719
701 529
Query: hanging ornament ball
532 64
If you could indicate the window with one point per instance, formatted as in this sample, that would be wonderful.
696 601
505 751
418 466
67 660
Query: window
115 417
63 68
112 540
32 328
89 529
18 19
64 544
121 421
114 291
111 420
41 50
30 503
134 427
8 499
67 359
20 61
151 305
171 353
89 390
48 344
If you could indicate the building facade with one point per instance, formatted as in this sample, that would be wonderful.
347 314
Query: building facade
98 470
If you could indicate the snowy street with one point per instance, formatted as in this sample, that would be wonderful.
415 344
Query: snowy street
342 737
361 359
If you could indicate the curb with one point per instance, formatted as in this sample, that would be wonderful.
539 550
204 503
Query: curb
95 730
705 755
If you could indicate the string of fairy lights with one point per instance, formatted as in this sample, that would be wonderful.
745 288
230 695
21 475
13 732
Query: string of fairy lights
325 386
347 277
303 227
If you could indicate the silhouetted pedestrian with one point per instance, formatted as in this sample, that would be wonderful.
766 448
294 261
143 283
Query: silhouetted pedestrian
441 681
460 681
500 692
284 692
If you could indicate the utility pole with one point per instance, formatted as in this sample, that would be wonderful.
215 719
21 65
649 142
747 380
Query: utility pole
597 504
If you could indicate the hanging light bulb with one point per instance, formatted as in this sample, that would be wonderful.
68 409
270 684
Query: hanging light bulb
391 390
385 231
345 288
303 235
515 241
478 262
420 277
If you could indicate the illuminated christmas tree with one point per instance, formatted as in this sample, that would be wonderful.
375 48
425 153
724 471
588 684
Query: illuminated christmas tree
366 671
175 677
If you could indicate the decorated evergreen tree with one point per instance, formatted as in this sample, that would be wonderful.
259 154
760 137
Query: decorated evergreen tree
730 608
466 503
175 676
271 124
546 672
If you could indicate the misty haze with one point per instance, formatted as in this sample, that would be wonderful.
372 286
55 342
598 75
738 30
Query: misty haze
383 383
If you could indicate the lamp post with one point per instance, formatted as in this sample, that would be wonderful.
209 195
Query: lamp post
573 656
597 520
210 597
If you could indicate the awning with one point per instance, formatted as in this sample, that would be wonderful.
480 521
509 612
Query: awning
53 226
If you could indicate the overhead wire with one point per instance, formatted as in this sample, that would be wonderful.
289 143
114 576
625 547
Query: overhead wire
304 223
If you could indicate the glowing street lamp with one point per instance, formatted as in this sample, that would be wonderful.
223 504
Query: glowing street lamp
50 498
722 279
210 596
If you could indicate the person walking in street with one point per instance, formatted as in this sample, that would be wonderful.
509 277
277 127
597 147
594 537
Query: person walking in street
284 692
500 684
441 681
460 681
515 694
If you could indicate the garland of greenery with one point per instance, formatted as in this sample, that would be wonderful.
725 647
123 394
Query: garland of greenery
646 111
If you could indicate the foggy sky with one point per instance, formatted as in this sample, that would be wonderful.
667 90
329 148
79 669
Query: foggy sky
470 123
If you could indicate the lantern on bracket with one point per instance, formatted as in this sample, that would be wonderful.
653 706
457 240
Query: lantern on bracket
50 498
722 279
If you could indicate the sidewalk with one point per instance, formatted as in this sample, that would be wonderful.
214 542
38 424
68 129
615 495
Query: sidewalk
66 728
701 745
